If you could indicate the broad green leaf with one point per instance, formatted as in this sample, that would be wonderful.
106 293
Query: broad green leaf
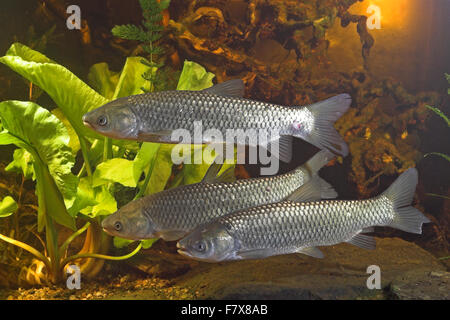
45 137
131 81
123 171
73 96
7 206
121 242
103 80
85 196
144 157
22 164
106 204
194 77
74 142
115 170
162 169
194 172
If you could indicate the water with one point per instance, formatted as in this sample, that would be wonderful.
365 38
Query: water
287 52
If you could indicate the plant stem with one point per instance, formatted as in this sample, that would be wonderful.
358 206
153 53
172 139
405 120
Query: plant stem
84 151
100 256
107 149
28 248
66 243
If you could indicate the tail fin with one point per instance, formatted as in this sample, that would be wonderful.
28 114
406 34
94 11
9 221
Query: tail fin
401 193
323 135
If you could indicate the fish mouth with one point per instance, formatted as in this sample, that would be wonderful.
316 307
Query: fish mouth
87 124
182 250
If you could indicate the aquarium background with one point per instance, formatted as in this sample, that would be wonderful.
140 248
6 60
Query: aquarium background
287 52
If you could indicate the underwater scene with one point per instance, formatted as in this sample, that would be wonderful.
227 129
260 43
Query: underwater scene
224 150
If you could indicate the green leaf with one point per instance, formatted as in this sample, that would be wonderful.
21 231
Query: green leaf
446 157
129 32
122 243
22 163
162 169
439 113
103 80
106 204
115 170
7 207
73 96
144 157
194 77
74 142
85 196
130 81
123 171
45 137
194 173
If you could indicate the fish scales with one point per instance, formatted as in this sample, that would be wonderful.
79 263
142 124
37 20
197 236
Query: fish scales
178 109
188 206
172 213
287 226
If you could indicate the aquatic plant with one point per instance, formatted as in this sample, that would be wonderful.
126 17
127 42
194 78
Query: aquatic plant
48 145
447 120
148 34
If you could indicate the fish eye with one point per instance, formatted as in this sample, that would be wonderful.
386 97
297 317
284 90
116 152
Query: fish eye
102 120
118 226
200 246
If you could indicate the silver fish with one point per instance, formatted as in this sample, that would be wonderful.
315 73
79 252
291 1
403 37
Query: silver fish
172 213
290 227
154 116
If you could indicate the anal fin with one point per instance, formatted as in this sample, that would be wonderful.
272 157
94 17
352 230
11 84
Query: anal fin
363 241
312 252
284 146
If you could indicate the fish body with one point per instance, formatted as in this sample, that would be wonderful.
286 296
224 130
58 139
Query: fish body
155 116
289 227
172 213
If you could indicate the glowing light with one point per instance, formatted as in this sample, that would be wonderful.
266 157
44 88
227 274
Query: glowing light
391 12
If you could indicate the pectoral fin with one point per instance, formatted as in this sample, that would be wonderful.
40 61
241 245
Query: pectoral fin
163 136
255 254
172 235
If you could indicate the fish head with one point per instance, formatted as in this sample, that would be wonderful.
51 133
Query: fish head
115 119
210 243
130 222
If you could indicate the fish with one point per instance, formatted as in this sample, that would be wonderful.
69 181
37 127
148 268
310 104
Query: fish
300 227
172 213
154 116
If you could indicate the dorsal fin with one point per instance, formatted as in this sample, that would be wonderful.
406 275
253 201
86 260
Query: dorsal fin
230 88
